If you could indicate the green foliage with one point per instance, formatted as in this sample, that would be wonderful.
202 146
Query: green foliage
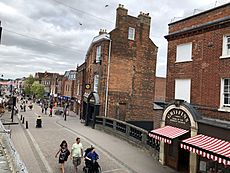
28 84
32 87
38 89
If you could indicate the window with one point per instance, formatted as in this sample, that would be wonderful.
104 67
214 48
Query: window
184 52
131 34
98 54
225 93
78 87
182 89
95 83
226 47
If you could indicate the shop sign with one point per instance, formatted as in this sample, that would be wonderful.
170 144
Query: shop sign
178 118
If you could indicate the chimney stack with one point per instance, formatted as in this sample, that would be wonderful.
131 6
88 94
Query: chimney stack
121 12
102 31
144 18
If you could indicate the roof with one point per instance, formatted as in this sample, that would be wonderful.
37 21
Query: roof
98 38
201 13
215 122
201 27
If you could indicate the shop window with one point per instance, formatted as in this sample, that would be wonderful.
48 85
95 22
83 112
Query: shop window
210 166
226 47
131 34
184 52
225 94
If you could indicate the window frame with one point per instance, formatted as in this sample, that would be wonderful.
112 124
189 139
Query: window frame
131 35
178 83
95 83
98 54
224 46
223 106
177 50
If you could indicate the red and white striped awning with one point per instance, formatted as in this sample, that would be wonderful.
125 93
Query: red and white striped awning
212 148
167 133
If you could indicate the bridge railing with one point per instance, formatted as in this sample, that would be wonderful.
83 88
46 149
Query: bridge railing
129 132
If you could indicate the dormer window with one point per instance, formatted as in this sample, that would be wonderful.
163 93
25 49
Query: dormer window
98 54
131 34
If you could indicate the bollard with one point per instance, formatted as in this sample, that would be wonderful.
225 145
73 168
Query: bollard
23 120
26 124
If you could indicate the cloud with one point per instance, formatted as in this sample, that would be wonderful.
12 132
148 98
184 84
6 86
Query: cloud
54 35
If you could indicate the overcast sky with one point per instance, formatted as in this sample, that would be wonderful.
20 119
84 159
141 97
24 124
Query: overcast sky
54 35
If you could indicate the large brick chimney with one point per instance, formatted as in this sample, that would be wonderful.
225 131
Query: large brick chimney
121 12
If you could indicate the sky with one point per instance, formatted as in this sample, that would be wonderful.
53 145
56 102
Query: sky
54 35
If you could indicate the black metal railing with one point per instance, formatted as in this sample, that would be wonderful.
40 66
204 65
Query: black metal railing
128 131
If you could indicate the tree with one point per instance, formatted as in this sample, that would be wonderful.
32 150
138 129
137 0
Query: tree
28 84
38 89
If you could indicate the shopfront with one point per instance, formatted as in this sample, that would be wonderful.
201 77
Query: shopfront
91 106
186 148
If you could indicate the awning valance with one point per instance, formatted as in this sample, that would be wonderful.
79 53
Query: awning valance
167 133
212 148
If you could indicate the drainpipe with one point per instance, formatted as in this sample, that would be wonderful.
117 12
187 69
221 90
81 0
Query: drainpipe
107 82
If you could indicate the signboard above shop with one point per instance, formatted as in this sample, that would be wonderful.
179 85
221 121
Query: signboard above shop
177 117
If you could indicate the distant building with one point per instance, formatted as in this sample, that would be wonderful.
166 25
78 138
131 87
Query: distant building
79 89
195 125
120 68
46 79
68 83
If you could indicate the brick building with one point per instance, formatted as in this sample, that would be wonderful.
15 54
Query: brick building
160 89
46 79
68 83
121 65
79 89
198 89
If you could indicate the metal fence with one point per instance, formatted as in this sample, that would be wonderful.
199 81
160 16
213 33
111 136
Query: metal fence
129 132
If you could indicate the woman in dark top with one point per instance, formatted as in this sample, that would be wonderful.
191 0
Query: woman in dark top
64 154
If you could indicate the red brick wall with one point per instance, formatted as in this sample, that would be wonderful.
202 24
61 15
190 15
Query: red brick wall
206 68
160 89
132 69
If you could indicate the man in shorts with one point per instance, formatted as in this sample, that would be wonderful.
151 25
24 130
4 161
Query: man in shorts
77 153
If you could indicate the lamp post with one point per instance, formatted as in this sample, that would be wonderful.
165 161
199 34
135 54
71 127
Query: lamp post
1 85
108 71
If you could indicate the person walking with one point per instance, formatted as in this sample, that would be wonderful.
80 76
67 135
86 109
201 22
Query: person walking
77 153
46 107
63 156
42 106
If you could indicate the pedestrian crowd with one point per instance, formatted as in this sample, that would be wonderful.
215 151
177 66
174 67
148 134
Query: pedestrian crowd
77 155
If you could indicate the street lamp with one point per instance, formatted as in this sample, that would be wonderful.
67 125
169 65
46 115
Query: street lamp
107 82
1 85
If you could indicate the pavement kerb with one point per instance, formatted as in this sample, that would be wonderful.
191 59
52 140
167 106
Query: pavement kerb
104 151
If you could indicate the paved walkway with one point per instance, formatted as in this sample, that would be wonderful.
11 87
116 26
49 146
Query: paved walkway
38 147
